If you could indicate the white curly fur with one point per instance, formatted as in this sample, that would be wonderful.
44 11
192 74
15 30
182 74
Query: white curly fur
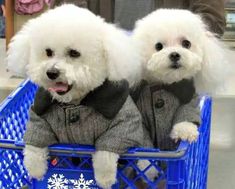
35 161
204 60
106 53
105 168
185 131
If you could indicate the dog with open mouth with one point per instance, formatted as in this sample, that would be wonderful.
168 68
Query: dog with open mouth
86 65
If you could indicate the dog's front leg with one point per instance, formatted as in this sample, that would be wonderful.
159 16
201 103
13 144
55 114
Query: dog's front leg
105 168
186 131
35 161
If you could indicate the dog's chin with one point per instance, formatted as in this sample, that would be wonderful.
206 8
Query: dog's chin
170 75
61 91
158 70
65 98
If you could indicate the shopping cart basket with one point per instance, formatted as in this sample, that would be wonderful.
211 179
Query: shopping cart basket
70 166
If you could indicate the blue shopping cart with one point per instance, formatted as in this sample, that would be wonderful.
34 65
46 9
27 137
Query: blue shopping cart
70 166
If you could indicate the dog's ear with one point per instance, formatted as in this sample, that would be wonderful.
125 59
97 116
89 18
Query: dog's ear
18 51
121 57
215 67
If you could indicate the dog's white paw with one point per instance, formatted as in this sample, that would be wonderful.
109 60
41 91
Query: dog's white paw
105 168
185 131
151 173
35 161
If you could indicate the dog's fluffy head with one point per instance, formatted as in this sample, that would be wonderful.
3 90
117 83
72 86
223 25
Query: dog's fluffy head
70 52
175 45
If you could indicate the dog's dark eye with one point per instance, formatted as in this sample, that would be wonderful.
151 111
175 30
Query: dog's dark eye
74 53
159 46
186 44
49 52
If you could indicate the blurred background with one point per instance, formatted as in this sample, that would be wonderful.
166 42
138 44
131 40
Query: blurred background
222 154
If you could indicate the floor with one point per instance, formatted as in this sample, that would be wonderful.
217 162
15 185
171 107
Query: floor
222 154
222 148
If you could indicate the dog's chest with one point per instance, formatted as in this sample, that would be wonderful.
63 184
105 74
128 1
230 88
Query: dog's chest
158 106
77 124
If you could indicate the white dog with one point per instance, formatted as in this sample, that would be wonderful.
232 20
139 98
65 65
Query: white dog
200 53
176 45
180 58
70 52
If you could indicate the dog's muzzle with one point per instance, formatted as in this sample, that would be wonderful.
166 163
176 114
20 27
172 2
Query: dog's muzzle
59 87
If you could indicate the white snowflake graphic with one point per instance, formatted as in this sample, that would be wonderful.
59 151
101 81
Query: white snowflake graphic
57 182
81 183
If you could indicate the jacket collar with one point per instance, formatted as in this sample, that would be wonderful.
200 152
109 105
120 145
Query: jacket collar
106 99
109 98
184 90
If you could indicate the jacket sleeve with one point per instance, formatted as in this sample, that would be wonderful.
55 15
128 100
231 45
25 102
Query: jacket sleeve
212 11
38 132
189 112
124 131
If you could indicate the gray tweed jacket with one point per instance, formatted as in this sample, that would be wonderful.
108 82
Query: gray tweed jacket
106 118
163 106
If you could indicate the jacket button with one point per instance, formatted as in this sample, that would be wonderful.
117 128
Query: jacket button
74 118
159 103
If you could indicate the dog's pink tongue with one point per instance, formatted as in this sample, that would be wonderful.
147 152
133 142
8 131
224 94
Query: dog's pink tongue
59 87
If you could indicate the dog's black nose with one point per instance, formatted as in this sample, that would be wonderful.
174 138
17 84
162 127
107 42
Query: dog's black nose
174 57
53 73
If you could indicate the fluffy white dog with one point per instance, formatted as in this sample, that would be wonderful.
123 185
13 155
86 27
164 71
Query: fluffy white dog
180 58
70 52
175 45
